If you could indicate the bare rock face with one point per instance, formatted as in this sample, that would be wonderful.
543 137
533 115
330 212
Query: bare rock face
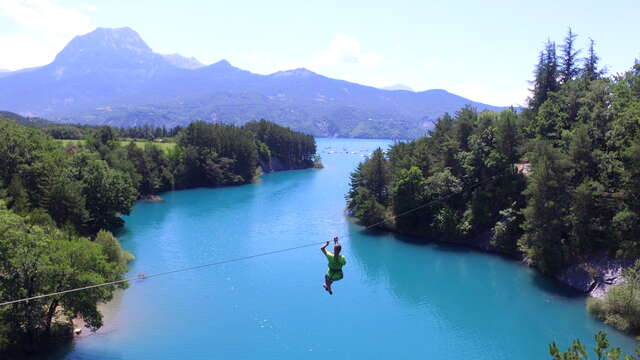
595 275
611 276
578 278
153 199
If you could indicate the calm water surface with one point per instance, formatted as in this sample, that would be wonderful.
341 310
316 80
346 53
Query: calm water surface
399 300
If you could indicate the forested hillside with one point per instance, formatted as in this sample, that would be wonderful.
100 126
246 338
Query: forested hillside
25 120
290 148
556 184
59 201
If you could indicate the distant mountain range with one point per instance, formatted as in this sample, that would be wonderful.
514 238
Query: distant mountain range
111 76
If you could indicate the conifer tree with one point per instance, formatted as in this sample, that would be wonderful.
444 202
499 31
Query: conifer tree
590 69
569 68
551 67
546 76
545 215
377 176
539 91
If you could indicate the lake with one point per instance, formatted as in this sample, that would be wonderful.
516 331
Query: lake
399 299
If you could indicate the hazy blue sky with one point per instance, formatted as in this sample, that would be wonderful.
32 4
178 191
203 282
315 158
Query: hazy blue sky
483 50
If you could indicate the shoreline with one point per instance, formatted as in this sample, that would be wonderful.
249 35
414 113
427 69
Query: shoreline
579 277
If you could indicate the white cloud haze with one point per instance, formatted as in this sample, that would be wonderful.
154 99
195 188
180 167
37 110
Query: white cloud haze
345 49
343 52
45 28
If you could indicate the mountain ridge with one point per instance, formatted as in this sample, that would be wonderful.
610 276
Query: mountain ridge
111 76
183 62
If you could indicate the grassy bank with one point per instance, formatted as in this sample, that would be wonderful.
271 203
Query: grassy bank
165 145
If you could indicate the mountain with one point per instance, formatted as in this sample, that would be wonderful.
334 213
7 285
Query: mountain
398 87
111 76
183 62
4 73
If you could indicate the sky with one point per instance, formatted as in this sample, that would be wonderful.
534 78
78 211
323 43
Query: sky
482 50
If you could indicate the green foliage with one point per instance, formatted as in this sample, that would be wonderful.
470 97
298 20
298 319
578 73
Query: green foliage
111 248
603 350
25 121
108 192
369 194
217 154
620 307
583 163
19 148
18 198
626 227
367 208
576 351
408 192
631 160
431 174
293 148
88 185
545 76
507 230
66 203
545 227
55 194
37 259
508 136
590 70
569 68
551 119
153 167
588 218
376 176
556 183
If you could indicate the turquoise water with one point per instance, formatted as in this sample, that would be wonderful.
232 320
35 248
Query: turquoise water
399 300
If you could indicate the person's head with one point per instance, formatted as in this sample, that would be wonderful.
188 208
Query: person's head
336 249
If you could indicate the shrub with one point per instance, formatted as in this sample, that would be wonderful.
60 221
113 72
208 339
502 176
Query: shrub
597 308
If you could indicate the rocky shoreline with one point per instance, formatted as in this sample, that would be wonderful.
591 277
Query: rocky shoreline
595 276
153 198
592 277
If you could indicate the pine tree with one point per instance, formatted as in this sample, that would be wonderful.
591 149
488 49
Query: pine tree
507 135
544 227
551 67
590 69
569 68
377 176
539 91
545 76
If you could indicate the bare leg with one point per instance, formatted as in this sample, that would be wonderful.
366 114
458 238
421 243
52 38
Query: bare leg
327 285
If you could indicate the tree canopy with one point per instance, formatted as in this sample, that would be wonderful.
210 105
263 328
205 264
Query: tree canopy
555 184
58 204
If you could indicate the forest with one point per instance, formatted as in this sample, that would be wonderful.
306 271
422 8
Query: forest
555 184
59 204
